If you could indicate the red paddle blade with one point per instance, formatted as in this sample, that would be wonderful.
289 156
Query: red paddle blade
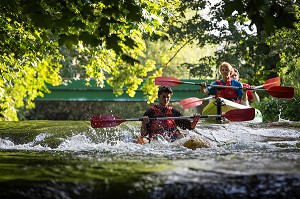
107 120
190 102
167 81
281 92
238 115
193 101
272 82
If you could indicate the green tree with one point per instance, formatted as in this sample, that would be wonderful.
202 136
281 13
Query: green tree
173 59
90 39
243 30
259 37
24 69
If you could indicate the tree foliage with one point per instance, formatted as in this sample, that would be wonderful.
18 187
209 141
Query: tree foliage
24 68
102 39
258 37
245 31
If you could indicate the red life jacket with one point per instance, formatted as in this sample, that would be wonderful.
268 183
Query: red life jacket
227 93
162 126
249 93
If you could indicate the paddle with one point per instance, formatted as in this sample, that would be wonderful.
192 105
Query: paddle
172 81
275 91
193 101
270 83
109 120
278 91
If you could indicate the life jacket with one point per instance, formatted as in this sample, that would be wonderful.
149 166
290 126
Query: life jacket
227 93
249 93
163 127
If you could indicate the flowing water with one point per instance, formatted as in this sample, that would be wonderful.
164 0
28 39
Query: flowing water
69 159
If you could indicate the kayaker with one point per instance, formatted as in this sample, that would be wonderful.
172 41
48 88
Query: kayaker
251 94
150 129
236 95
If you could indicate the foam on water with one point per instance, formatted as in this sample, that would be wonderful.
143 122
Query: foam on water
222 137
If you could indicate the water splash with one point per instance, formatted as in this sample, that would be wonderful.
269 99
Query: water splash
231 136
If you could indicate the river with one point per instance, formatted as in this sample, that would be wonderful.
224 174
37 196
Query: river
69 159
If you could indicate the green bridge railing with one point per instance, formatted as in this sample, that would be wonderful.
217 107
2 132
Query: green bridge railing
78 91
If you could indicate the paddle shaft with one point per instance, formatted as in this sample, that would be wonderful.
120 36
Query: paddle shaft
102 121
275 91
223 86
156 118
172 81
236 87
184 117
163 118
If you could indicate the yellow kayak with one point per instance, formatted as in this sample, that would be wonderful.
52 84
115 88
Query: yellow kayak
227 105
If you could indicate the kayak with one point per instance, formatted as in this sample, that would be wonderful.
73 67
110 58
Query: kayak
187 141
227 105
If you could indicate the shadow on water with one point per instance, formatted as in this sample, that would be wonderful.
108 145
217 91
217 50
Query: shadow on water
68 159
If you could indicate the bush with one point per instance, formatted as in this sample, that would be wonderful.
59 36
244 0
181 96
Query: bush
274 109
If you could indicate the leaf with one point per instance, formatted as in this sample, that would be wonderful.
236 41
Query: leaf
104 28
68 40
135 12
130 42
112 42
232 6
129 59
87 38
269 24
